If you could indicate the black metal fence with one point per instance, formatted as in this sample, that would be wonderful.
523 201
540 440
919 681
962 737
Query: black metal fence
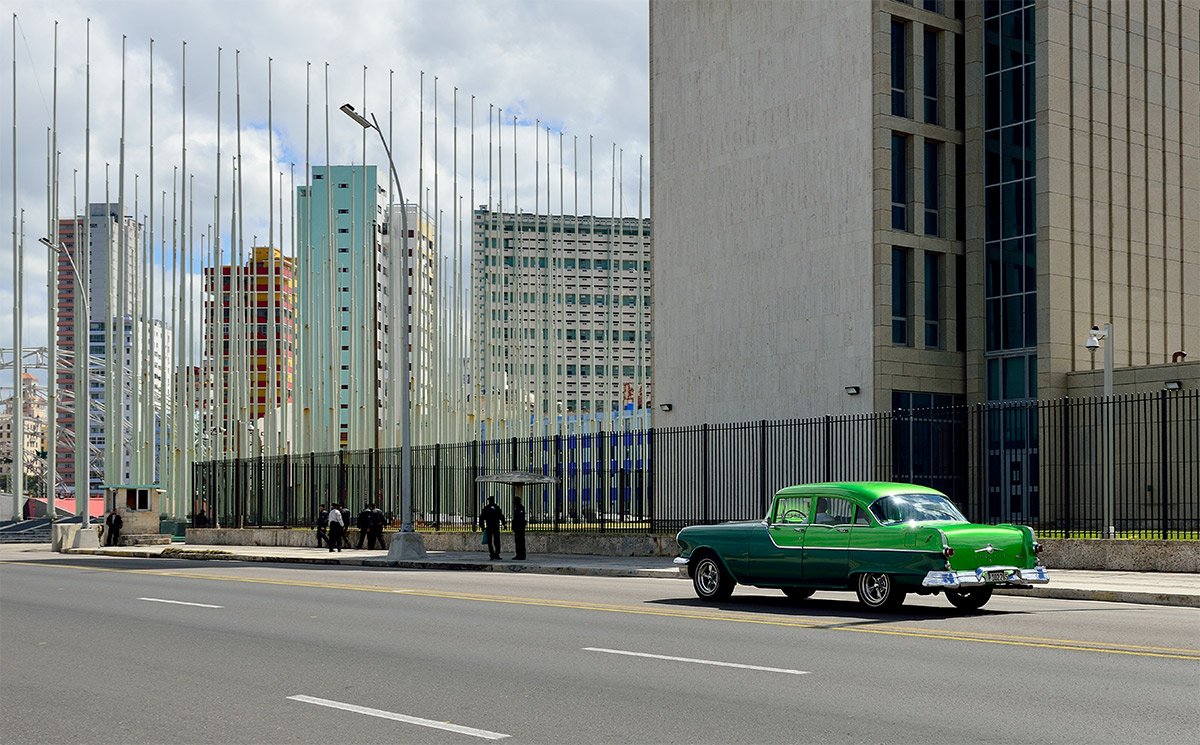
1048 464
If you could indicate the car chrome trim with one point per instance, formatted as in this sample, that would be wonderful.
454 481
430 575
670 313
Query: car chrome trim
683 560
977 578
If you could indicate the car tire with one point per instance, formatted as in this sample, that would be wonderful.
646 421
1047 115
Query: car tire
973 599
878 591
797 593
710 579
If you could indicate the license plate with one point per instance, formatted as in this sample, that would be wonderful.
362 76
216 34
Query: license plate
997 576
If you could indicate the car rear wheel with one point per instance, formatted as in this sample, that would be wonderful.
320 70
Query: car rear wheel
710 579
797 593
876 590
969 599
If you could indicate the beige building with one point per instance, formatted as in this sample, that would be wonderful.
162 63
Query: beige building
919 199
33 410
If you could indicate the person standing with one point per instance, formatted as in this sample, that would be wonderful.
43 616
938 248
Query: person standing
363 524
491 518
518 529
112 528
375 531
336 527
322 527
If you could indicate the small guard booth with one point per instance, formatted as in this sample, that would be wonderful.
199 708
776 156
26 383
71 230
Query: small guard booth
139 506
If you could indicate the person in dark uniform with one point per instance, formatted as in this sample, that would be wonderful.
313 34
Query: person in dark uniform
336 528
112 528
491 518
518 528
363 524
375 531
322 527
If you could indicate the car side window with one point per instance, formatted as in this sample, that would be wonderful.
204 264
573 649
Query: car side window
833 511
860 516
791 510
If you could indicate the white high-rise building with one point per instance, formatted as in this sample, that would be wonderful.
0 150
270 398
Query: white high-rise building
561 317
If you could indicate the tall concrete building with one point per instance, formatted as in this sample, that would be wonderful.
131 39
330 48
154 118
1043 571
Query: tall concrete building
561 309
919 198
868 206
114 240
349 303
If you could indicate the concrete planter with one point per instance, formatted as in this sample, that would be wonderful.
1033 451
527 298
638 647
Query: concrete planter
1122 556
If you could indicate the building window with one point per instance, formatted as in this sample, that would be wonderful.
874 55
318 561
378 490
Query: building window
899 62
931 76
899 181
933 178
900 258
933 303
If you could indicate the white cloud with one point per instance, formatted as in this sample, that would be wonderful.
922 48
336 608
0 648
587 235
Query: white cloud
580 67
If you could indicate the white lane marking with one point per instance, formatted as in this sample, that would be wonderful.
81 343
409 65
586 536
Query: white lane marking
180 602
698 662
447 726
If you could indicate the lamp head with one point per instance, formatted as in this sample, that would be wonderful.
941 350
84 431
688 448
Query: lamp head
349 111
1093 339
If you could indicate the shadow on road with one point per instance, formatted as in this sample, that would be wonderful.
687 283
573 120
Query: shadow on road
839 609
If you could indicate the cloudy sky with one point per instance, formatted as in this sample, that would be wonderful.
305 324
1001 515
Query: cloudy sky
577 67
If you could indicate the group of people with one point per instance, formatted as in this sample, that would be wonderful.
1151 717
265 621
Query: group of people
332 524
491 518
333 521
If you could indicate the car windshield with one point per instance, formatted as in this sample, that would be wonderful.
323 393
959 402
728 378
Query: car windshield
901 508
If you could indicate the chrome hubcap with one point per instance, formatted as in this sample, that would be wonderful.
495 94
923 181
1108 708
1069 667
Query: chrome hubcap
708 576
875 587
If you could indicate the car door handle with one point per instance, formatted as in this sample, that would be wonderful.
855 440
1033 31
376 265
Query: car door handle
800 529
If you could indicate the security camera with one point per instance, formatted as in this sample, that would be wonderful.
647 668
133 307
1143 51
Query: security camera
1092 343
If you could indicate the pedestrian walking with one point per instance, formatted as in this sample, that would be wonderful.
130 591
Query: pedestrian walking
375 531
491 518
363 524
322 527
112 528
518 529
336 528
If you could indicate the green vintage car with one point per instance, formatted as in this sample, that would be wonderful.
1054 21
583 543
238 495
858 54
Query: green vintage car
883 540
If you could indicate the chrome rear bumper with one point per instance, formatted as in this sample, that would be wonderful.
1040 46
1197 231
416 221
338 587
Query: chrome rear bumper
1014 577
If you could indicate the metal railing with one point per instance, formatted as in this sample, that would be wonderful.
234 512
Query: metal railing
1039 463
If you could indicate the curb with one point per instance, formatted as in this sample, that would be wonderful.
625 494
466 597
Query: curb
1178 600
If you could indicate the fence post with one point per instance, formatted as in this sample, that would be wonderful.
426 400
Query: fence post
437 482
762 466
556 489
475 447
341 478
1163 487
1068 483
311 479
828 449
601 476
704 471
287 488
513 442
649 476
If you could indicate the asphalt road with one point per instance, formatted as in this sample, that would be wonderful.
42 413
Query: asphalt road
96 649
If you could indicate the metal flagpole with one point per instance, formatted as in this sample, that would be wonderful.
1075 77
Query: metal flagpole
82 331
52 292
18 422
271 399
220 379
150 440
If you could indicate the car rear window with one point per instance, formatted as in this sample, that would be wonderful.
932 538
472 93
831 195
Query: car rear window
902 508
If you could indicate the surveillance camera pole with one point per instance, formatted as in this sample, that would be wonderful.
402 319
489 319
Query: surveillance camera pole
1109 412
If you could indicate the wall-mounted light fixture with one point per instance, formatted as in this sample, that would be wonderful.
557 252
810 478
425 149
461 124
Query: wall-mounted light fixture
665 407
853 390
1172 385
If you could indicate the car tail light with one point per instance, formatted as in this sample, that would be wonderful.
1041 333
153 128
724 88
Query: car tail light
948 551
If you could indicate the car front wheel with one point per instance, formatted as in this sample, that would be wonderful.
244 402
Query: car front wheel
710 580
876 590
969 599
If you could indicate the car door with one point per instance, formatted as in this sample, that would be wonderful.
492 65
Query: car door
778 559
827 539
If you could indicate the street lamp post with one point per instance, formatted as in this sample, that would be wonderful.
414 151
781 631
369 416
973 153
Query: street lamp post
86 537
1095 336
407 544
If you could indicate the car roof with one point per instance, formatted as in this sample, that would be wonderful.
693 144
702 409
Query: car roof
866 491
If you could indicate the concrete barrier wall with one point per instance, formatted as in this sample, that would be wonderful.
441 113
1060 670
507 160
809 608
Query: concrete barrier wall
1128 556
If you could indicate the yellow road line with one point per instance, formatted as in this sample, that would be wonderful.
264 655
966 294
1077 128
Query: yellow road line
1071 645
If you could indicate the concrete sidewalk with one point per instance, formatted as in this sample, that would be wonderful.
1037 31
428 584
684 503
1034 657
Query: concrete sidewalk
1151 588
